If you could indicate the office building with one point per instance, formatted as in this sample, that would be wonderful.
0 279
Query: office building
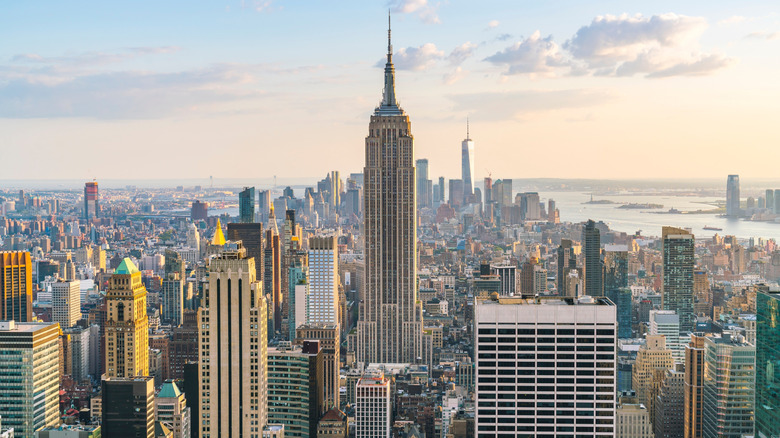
373 406
183 348
295 388
128 407
297 290
272 271
91 201
199 211
329 337
667 323
693 384
127 326
767 358
175 289
567 261
16 286
246 205
76 352
678 260
30 366
770 199
669 405
632 419
251 237
508 277
732 196
172 411
616 285
423 184
233 360
334 424
390 325
592 266
729 389
322 305
68 431
467 165
650 357
66 303
562 352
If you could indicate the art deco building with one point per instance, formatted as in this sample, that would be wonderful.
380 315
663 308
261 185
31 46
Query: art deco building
390 325
127 326
232 344
16 286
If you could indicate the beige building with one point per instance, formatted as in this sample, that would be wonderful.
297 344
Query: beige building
232 344
172 411
330 342
66 303
390 325
651 357
632 419
692 398
127 326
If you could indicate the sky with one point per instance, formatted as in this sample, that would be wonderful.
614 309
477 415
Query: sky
255 88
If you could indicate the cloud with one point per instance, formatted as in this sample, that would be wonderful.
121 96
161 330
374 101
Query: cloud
657 46
763 35
732 20
415 58
493 24
91 59
425 11
535 55
519 104
455 76
461 53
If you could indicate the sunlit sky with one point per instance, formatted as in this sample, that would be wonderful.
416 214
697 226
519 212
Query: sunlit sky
565 89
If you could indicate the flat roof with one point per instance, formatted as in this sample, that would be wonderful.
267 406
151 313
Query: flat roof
585 300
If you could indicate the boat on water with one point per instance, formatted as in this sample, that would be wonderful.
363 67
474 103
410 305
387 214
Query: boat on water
709 228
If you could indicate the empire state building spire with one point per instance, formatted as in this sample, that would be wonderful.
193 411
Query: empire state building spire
389 106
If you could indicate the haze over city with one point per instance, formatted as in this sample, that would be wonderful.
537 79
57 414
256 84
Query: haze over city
601 89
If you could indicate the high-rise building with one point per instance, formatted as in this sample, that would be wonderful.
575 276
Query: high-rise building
615 285
678 260
669 405
127 326
329 337
667 323
632 419
251 237
508 277
16 286
776 208
246 205
592 266
456 193
272 271
172 411
295 388
174 292
767 358
30 366
732 196
467 165
199 210
442 196
423 200
183 348
128 407
323 295
650 357
729 389
390 324
232 344
77 355
770 199
567 260
373 406
694 378
562 350
91 201
66 303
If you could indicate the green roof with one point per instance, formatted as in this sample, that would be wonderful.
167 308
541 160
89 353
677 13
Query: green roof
169 390
126 267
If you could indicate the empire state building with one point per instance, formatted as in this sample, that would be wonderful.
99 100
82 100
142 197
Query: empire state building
390 323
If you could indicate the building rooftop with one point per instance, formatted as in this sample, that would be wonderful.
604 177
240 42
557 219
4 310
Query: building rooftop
23 327
126 267
169 390
549 301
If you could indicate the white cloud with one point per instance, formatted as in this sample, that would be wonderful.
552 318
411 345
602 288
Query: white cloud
493 24
534 55
763 35
657 46
416 58
455 76
461 53
732 20
425 11
519 104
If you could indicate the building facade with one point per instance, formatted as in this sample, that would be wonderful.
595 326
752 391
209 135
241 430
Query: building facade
592 266
767 361
128 407
678 261
322 305
127 325
16 286
373 406
295 388
66 303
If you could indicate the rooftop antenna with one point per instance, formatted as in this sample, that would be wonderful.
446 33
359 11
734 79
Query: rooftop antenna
467 128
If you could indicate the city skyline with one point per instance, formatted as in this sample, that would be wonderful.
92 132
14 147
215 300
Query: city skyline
684 79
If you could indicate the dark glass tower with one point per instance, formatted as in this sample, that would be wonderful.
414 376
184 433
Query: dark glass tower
616 286
678 261
767 362
591 250
246 205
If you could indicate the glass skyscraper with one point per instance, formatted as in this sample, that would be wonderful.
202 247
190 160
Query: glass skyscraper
678 245
591 250
246 205
767 362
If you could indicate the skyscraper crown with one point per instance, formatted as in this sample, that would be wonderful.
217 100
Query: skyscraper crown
389 106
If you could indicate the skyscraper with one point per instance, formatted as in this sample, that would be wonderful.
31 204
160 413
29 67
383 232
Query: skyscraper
390 325
467 165
127 326
128 407
251 237
91 202
66 303
615 285
732 196
323 296
246 205
767 358
373 406
423 200
16 286
677 292
232 345
174 292
592 266
567 260
329 337
171 409
29 388
551 340
295 388
694 377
